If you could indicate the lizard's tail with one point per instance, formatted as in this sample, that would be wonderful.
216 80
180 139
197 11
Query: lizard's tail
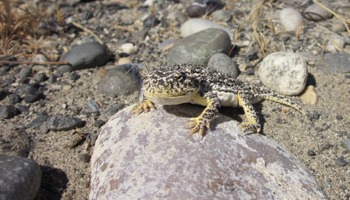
282 100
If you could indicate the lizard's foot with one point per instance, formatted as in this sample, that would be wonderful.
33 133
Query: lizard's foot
144 106
250 128
200 125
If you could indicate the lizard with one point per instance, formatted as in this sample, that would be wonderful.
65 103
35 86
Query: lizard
187 83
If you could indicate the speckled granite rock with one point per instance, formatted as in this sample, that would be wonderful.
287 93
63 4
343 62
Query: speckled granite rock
153 155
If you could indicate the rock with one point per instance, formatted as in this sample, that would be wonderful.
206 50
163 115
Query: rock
199 47
336 43
7 111
336 62
311 153
203 7
177 16
128 48
222 63
154 155
40 77
124 60
346 143
284 72
309 96
23 74
222 15
29 92
38 121
150 21
92 106
341 161
63 123
14 98
316 13
119 81
19 178
193 26
291 19
87 55
3 94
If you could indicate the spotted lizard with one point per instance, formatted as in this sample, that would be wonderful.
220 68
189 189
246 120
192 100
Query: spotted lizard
186 83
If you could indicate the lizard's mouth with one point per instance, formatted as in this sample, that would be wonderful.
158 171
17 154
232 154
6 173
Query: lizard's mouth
169 97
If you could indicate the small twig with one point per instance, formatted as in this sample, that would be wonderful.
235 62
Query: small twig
88 31
32 62
341 18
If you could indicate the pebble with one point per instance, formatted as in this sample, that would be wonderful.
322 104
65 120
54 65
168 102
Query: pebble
27 89
86 55
152 155
193 26
337 62
309 96
74 76
203 7
341 161
40 77
93 106
150 21
3 94
14 98
85 157
311 153
199 47
23 74
40 68
336 43
177 16
284 72
7 111
316 13
99 123
63 123
19 178
291 19
43 128
120 81
346 143
222 15
223 63
110 111
128 48
39 120
124 60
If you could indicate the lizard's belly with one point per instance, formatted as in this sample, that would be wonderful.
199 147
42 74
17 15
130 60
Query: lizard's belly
228 99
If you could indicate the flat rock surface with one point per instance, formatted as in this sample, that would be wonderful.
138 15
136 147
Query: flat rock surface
154 155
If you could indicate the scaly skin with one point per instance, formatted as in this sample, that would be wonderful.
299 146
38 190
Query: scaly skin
173 85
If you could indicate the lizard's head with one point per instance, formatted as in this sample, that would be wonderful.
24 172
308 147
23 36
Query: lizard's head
169 87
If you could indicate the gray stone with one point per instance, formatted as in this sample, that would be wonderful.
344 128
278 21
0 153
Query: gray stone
199 47
29 92
223 63
284 72
7 111
3 94
63 123
155 155
222 15
336 62
19 178
120 81
24 73
316 13
92 106
87 55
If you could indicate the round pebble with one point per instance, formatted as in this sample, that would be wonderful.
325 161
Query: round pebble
223 63
284 72
291 19
222 15
311 153
316 13
192 26
341 161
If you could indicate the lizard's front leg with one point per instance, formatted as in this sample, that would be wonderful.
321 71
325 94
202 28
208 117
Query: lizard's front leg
202 122
145 106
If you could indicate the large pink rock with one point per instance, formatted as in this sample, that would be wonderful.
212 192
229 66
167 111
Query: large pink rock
154 156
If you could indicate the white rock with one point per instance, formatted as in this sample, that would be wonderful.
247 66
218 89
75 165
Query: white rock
284 72
154 156
291 19
195 25
128 48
